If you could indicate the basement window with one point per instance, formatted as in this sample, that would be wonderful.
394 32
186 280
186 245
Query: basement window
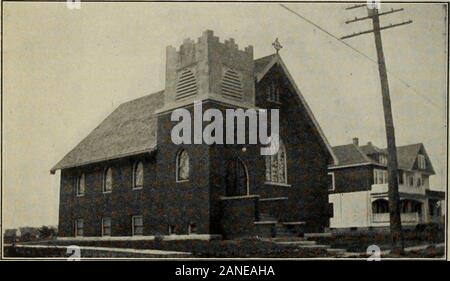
172 230
137 225
79 227
192 228
106 227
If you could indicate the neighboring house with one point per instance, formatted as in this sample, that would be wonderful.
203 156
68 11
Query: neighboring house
10 235
29 233
358 187
128 178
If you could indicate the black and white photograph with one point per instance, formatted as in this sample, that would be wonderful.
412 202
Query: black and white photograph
224 131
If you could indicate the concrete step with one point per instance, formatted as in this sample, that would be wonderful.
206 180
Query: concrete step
304 242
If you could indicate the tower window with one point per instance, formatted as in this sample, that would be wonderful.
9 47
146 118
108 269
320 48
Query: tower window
186 84
231 84
81 185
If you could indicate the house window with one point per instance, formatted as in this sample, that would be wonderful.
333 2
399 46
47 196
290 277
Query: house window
382 159
192 228
273 92
172 230
276 170
137 225
419 181
106 227
422 162
138 175
182 168
330 178
400 177
380 176
107 180
81 184
79 225
411 180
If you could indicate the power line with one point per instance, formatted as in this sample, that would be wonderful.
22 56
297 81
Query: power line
409 86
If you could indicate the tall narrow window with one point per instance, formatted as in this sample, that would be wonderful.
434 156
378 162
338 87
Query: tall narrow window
79 227
276 166
81 185
400 177
138 175
138 225
107 180
421 162
273 92
182 168
106 227
330 181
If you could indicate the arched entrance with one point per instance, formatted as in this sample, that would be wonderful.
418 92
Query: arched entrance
410 206
380 206
236 178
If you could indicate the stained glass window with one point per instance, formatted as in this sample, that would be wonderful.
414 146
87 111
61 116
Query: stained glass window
276 166
107 180
182 166
81 185
138 175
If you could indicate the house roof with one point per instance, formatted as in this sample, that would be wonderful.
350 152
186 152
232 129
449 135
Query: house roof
131 128
128 130
352 154
369 148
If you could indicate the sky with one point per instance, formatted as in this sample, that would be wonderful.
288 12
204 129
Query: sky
65 70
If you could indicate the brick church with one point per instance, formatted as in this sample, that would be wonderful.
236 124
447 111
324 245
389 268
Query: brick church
127 177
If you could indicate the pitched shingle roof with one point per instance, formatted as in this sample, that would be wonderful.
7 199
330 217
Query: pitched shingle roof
407 155
351 154
128 130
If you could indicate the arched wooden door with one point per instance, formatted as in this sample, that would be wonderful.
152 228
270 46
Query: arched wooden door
236 178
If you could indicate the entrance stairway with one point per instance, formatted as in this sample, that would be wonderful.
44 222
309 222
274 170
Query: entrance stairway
271 227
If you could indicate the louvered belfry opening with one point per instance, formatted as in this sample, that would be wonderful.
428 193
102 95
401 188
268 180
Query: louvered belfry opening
231 84
186 85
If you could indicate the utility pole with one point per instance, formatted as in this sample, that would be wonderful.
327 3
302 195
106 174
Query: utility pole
393 193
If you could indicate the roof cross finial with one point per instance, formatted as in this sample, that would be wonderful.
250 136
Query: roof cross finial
277 46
